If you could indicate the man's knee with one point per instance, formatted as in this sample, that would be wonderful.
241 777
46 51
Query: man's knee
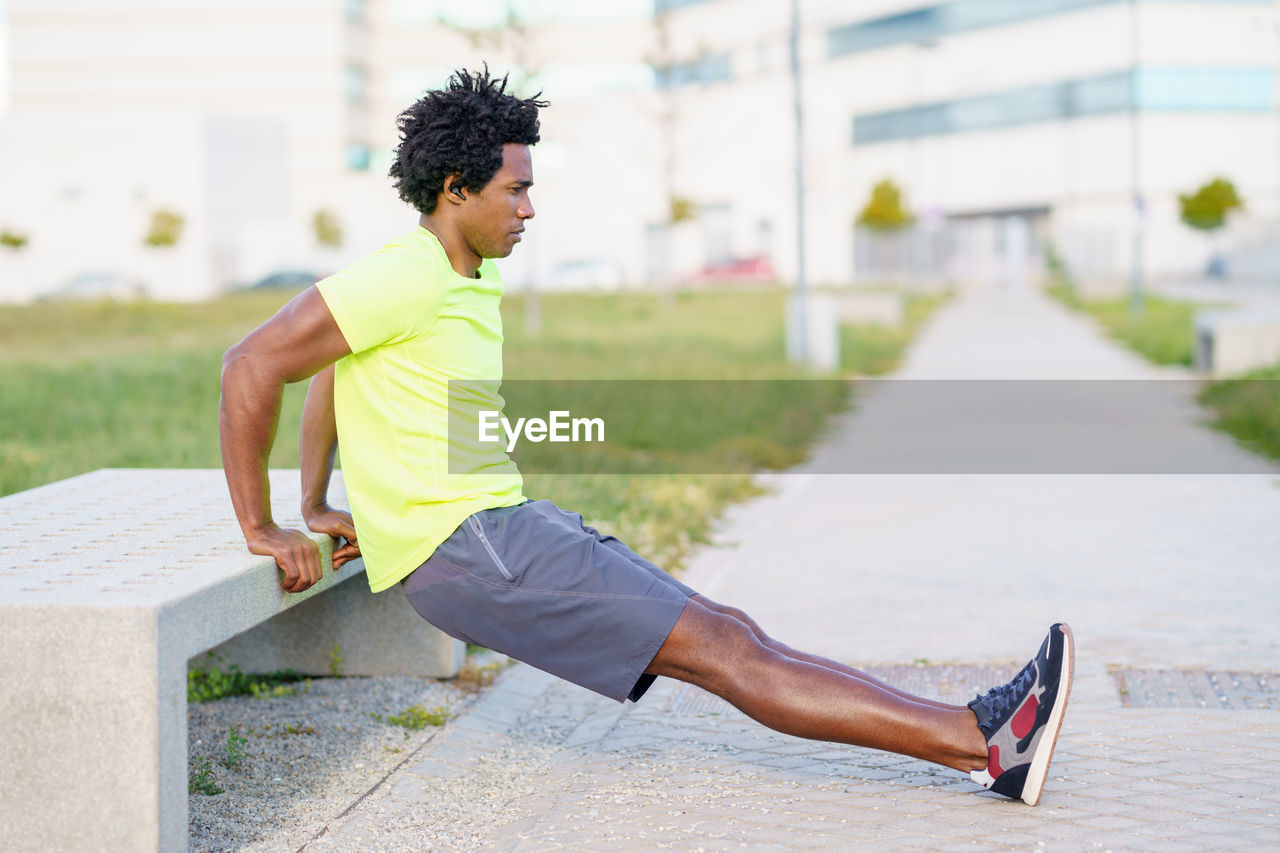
734 613
707 647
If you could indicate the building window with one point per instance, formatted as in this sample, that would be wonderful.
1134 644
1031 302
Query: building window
660 6
933 22
1193 89
355 81
1167 89
917 25
358 156
713 68
1108 93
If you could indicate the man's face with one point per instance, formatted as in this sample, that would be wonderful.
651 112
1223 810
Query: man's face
493 218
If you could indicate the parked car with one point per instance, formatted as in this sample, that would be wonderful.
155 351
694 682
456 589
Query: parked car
100 284
753 269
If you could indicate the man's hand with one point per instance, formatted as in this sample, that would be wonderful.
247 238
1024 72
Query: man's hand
338 524
294 552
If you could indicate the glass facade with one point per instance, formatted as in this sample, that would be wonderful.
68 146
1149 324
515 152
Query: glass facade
933 22
1188 89
359 156
660 6
354 82
1242 89
918 25
713 68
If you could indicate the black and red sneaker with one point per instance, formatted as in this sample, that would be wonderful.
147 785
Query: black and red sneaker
1021 720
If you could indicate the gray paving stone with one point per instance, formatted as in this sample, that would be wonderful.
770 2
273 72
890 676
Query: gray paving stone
1110 822
1182 846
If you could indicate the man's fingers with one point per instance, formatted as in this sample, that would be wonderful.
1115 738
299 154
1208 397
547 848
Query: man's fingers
300 562
295 554
314 569
296 573
338 524
290 569
348 552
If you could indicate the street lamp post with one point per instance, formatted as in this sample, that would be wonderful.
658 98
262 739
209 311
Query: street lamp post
1135 165
800 316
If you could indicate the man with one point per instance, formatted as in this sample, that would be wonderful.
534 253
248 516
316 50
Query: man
383 340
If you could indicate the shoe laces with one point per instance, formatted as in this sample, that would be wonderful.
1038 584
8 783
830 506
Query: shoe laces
1005 697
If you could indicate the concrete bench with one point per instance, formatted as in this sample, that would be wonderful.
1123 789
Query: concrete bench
872 307
110 582
1233 342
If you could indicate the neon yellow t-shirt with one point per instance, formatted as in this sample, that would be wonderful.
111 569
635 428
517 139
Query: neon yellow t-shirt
413 325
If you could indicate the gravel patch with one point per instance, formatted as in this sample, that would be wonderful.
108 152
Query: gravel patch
460 814
479 793
297 762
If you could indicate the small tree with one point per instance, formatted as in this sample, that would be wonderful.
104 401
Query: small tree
12 239
884 210
682 209
1206 210
165 230
327 229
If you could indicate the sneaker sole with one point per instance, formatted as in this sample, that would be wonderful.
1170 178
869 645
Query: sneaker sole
1038 772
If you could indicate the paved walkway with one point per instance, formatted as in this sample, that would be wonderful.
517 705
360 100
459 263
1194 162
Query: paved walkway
942 582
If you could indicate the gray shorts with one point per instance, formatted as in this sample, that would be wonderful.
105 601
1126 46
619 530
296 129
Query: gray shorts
533 582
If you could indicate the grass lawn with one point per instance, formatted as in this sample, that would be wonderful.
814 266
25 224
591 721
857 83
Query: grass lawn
876 350
1247 407
90 386
105 385
1163 334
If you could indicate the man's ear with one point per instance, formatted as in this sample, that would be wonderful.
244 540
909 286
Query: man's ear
453 189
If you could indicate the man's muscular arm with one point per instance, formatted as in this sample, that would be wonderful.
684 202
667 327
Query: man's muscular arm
319 442
301 339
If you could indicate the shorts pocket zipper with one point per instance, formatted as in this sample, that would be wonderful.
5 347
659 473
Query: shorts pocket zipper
484 540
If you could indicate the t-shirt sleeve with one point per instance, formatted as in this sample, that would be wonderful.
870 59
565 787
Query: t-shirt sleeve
384 298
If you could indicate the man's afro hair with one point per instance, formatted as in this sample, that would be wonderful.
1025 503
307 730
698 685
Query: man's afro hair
459 130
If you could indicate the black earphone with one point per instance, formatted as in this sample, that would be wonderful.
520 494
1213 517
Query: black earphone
458 192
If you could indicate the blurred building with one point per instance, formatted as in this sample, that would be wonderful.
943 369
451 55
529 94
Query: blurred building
1012 126
240 117
247 118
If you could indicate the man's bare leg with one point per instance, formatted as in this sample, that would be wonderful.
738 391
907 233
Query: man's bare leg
783 648
722 654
